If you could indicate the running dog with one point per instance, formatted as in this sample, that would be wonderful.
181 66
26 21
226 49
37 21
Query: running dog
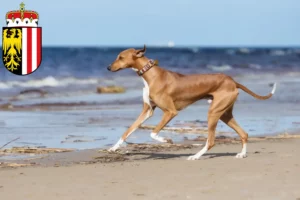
172 92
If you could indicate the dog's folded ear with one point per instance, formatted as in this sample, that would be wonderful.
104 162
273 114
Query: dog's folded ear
140 53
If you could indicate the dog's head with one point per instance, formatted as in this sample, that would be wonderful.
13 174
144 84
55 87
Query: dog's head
126 59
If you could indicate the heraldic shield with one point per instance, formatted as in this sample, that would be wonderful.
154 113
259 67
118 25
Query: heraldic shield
22 49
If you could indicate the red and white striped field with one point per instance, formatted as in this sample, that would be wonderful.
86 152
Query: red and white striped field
31 49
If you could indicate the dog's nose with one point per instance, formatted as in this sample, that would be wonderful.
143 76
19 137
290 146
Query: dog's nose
109 68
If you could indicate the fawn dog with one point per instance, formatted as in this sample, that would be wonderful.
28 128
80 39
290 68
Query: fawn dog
172 92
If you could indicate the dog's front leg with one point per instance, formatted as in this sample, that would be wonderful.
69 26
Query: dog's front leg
146 113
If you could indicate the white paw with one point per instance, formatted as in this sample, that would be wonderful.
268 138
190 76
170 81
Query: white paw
194 157
116 146
113 149
160 139
241 155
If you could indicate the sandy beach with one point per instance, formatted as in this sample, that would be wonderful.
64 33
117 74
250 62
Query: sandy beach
271 171
77 123
77 79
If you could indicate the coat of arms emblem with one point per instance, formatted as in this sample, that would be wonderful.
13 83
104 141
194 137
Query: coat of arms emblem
22 41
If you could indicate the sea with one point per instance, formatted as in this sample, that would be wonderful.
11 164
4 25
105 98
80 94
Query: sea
67 67
69 77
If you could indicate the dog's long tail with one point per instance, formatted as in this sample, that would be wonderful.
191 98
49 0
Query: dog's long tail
256 95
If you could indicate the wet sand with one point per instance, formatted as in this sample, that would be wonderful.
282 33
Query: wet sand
271 171
86 127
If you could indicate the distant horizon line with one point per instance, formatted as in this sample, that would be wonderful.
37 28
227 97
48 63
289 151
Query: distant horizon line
173 47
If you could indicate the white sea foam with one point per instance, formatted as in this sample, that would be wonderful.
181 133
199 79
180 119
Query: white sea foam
231 51
47 82
278 53
194 50
254 66
244 50
220 68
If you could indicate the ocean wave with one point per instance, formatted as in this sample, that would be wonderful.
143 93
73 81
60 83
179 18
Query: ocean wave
194 50
48 82
254 66
221 68
279 53
244 50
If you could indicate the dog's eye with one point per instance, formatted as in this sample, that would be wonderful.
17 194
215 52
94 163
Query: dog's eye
120 57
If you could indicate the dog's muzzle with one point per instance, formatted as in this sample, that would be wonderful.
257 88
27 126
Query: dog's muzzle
109 68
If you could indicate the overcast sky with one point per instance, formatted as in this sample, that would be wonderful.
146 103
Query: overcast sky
158 22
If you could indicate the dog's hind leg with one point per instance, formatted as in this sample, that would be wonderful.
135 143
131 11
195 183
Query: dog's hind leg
228 119
218 107
213 119
146 113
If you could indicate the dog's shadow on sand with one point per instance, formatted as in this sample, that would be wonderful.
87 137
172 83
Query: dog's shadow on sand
157 156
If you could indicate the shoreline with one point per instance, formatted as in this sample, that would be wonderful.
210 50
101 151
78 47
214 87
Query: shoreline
161 172
33 157
88 127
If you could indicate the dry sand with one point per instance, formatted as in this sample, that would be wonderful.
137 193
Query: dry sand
271 171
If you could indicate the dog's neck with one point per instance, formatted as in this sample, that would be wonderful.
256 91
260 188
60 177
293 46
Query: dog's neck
148 75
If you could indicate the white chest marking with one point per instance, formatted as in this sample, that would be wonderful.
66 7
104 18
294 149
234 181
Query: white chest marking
146 93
